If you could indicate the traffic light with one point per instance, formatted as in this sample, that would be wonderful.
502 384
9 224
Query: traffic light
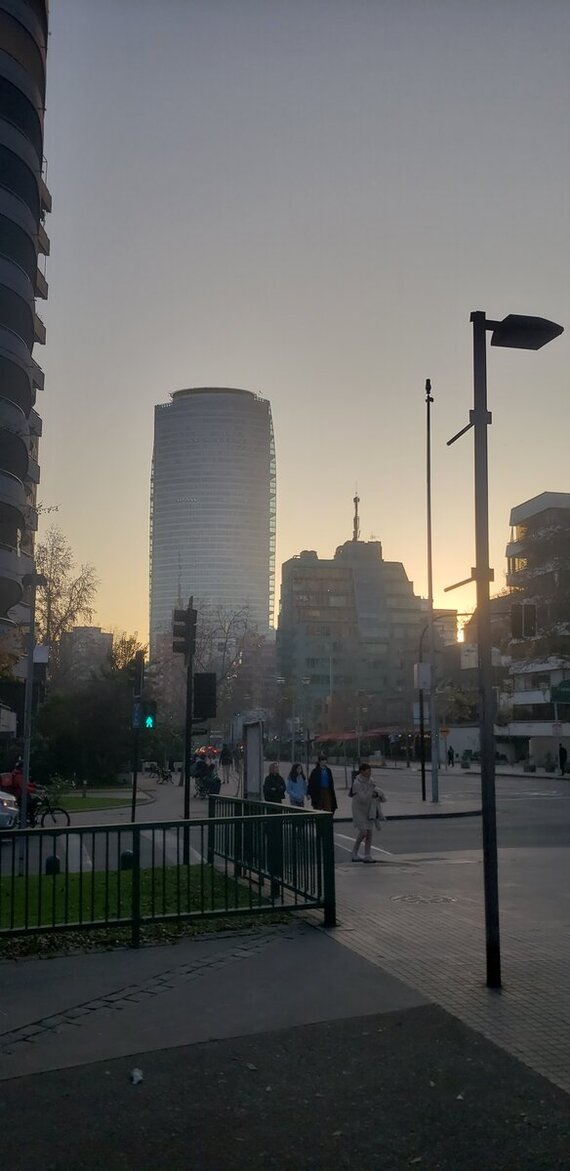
205 695
149 715
184 632
136 673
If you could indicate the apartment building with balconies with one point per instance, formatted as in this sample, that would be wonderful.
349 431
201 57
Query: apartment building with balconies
24 203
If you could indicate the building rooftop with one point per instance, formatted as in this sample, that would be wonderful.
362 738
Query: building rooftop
211 390
538 504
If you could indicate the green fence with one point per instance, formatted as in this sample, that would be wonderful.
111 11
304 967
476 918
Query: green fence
238 861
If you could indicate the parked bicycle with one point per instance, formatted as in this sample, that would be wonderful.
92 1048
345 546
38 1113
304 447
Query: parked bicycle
41 810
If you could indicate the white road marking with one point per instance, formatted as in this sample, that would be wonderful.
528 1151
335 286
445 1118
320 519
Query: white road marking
378 849
171 846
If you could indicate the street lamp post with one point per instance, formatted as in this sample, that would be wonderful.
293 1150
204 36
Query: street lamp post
520 333
31 581
434 729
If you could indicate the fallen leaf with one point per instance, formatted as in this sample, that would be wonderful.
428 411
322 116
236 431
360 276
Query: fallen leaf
460 1097
250 1065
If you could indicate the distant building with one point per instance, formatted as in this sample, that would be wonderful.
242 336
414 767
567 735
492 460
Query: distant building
348 636
84 651
445 623
534 526
212 515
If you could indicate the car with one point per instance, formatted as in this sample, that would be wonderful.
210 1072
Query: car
8 810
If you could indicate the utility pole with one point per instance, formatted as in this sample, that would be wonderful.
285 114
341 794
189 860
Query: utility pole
432 696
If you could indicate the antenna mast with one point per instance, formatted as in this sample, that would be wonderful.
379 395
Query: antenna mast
356 522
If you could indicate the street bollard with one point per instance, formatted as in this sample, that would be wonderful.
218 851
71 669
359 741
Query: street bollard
53 864
127 860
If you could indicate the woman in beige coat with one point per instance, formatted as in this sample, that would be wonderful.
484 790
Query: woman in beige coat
367 812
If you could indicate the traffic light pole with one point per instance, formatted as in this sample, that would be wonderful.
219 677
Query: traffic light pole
187 758
137 699
135 763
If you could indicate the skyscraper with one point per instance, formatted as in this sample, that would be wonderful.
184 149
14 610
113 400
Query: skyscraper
24 201
212 510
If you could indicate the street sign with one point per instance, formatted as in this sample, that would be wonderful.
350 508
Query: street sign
444 731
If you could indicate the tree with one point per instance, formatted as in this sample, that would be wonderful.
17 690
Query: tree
125 647
68 598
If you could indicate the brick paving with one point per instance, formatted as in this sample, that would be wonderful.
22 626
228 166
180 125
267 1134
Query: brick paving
422 920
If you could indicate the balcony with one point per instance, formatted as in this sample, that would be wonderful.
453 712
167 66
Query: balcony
45 196
41 285
43 240
526 697
35 423
13 566
38 376
33 472
39 330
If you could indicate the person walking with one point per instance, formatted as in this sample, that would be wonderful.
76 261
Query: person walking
321 787
562 757
297 786
451 756
367 812
226 764
274 785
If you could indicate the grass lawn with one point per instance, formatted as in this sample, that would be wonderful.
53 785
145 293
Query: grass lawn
75 803
105 899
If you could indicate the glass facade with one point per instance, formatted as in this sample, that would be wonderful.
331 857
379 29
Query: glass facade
212 515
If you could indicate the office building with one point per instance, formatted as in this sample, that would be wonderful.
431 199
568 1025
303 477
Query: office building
84 652
348 637
24 202
212 515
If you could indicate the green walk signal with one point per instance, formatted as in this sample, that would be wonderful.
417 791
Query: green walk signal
147 718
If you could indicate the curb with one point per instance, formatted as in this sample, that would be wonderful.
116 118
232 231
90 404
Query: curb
416 816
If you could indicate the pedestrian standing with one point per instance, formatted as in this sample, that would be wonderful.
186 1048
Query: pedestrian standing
367 811
226 763
451 756
321 787
274 785
297 786
562 757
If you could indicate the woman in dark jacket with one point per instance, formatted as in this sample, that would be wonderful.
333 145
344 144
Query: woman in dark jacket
274 785
321 787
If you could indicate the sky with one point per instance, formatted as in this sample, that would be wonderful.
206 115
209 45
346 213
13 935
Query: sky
307 199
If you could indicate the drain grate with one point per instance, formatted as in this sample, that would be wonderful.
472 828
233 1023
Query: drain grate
422 899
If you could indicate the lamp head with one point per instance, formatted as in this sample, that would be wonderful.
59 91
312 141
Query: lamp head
519 332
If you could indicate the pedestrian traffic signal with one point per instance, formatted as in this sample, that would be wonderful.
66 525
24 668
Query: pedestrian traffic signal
136 673
149 715
184 632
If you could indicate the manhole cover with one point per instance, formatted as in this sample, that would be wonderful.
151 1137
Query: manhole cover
422 899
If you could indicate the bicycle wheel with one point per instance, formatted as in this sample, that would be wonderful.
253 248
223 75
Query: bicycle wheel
55 816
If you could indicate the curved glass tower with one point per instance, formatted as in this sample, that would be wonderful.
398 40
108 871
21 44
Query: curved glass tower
212 510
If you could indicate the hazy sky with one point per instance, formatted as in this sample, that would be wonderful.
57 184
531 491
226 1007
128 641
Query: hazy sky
305 198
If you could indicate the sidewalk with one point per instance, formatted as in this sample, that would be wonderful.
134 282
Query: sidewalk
277 1049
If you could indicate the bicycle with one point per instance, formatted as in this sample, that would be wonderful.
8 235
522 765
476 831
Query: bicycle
43 812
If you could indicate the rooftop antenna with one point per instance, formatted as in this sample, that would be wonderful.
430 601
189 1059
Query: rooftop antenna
356 522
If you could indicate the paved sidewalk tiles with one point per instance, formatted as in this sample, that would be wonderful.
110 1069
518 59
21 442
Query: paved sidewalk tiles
413 1089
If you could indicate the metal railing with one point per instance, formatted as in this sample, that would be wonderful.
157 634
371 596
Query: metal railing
235 862
292 849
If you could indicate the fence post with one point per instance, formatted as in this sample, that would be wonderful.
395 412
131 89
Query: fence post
211 829
136 888
327 840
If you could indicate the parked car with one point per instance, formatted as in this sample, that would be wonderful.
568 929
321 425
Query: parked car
8 810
